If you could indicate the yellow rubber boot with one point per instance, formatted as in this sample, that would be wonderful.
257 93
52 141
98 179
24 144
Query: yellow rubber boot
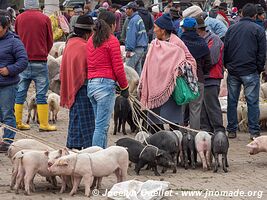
18 115
42 110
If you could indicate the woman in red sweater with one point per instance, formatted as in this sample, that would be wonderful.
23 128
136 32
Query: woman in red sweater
105 68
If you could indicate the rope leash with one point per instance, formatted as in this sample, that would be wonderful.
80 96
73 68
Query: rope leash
133 99
149 145
29 135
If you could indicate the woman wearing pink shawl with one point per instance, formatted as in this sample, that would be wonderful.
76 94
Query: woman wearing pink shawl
165 61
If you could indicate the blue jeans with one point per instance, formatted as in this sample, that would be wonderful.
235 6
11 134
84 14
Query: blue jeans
136 60
251 85
7 102
101 92
38 72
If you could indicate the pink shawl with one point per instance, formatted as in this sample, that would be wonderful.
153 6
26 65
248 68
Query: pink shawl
160 70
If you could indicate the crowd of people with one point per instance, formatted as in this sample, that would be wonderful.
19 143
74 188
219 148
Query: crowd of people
160 46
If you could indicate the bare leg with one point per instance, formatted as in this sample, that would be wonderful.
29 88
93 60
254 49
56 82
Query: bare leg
76 183
224 163
203 160
87 183
216 158
208 158
28 179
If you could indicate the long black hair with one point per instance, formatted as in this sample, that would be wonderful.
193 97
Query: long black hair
4 18
102 29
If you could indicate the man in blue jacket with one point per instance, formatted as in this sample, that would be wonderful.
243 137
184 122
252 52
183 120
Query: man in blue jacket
136 38
244 58
13 60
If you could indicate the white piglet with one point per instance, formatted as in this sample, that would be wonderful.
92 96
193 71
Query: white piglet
53 101
203 146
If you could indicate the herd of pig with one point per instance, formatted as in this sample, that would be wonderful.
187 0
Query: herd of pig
167 149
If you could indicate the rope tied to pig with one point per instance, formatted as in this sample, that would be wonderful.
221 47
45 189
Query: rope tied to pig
149 145
75 162
29 135
135 101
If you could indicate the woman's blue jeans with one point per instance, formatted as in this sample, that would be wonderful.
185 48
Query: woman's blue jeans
101 92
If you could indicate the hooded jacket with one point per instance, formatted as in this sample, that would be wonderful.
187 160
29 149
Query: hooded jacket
147 18
13 56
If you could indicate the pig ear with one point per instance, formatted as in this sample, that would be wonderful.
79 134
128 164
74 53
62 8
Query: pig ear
65 151
253 144
62 163
46 153
159 154
60 151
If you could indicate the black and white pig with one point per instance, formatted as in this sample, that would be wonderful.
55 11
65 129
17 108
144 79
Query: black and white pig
142 155
167 141
220 145
189 150
122 114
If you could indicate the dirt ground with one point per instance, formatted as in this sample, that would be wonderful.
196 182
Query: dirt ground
247 174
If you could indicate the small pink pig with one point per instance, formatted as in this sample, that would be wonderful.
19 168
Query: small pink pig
31 163
113 159
54 155
258 145
203 146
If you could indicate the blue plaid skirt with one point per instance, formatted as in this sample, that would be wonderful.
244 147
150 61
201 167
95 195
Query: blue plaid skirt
81 121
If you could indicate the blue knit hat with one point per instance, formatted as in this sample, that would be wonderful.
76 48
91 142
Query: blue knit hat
165 22
189 23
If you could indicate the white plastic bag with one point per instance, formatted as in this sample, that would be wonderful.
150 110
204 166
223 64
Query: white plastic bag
136 190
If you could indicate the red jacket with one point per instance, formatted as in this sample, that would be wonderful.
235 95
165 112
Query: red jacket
106 61
35 31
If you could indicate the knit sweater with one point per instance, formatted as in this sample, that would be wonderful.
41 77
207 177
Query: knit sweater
106 61
35 31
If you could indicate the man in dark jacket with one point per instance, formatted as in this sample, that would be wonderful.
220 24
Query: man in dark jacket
244 58
13 60
147 19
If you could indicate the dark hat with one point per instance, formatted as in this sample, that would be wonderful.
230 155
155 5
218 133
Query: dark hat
223 6
200 22
115 5
131 5
174 12
78 8
165 22
189 23
260 9
84 22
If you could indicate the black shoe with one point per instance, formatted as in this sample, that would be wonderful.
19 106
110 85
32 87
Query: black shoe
231 135
255 135
4 147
